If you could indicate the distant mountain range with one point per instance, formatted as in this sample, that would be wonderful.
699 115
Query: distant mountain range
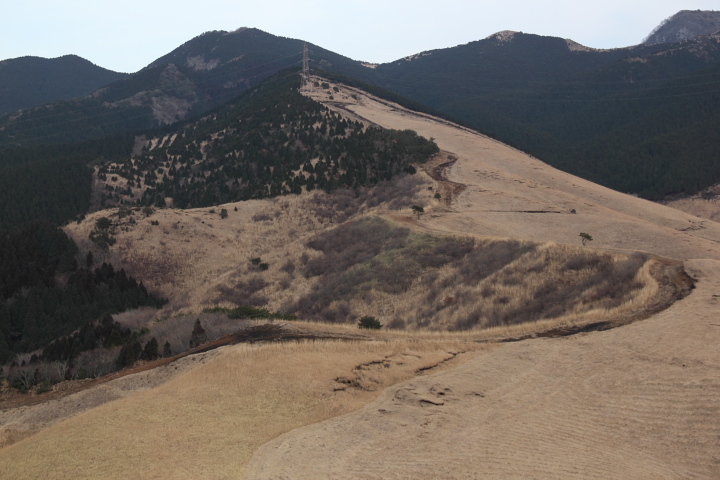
205 72
27 82
641 119
685 25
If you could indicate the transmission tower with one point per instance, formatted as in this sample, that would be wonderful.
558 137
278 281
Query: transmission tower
306 65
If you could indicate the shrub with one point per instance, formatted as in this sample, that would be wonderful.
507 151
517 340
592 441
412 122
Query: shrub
45 386
288 267
369 322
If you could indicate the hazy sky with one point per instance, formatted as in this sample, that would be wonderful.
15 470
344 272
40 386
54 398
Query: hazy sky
127 35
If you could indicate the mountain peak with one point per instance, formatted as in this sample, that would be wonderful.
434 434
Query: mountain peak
503 36
684 25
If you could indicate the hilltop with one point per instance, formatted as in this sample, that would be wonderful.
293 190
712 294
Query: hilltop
685 25
28 82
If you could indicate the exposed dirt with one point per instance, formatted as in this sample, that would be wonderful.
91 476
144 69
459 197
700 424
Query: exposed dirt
437 168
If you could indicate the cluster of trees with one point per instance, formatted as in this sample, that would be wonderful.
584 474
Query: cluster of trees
96 349
271 141
45 295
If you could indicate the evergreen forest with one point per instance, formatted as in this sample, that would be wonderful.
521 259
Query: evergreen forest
270 141
46 294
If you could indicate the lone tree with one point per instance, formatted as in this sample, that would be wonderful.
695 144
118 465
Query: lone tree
586 237
418 210
103 223
199 336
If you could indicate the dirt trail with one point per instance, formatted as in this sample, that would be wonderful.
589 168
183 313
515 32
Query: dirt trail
640 401
511 194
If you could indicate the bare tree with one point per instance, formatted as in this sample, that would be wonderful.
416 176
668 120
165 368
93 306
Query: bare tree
26 376
61 369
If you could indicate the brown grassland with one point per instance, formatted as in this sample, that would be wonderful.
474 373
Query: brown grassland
206 423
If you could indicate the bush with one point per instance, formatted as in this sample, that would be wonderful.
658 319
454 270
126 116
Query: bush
45 386
369 322
247 311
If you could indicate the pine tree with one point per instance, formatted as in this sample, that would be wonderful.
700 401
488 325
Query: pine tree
167 350
198 336
150 352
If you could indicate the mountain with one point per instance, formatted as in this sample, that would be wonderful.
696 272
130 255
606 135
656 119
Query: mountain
27 82
637 119
685 25
205 72
501 64
267 142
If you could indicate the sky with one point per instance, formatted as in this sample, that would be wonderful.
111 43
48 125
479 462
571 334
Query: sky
125 36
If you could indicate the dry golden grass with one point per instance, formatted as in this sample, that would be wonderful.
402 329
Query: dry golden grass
207 422
197 260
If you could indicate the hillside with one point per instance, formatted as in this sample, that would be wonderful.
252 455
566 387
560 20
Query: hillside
205 72
500 235
685 25
269 142
28 82
497 190
636 119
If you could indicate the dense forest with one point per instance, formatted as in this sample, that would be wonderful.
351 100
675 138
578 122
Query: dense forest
271 141
52 182
45 294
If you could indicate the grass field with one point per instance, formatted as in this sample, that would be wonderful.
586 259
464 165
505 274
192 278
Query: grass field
207 422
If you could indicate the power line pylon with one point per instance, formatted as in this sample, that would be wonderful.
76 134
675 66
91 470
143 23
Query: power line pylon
305 66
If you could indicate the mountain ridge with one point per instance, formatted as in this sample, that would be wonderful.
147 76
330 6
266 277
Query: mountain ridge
685 25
